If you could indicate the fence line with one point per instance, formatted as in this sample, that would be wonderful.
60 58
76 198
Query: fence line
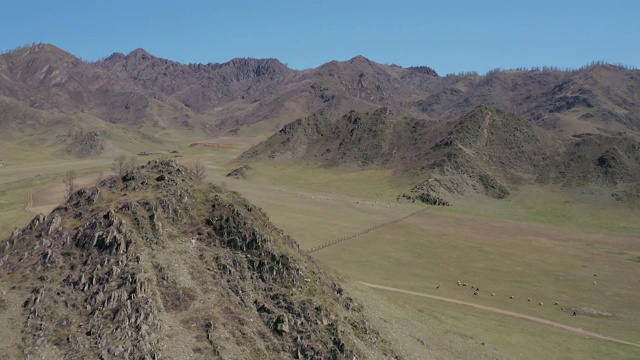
361 232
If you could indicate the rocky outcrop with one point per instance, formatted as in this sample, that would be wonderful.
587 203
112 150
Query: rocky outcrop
110 272
240 173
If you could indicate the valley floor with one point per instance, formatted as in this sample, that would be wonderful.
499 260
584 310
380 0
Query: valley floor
540 244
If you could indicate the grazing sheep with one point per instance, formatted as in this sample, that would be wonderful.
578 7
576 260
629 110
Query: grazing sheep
511 297
594 282
475 293
556 303
438 287
562 309
540 303
529 299
493 294
465 284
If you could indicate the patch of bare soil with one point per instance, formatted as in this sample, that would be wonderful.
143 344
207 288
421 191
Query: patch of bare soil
215 145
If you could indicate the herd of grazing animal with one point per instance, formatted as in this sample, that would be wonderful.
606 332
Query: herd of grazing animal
476 291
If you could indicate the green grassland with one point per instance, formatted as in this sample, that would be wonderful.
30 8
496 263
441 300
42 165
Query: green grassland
539 244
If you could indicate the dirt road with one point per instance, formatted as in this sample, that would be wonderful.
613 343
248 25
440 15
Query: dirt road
30 202
503 312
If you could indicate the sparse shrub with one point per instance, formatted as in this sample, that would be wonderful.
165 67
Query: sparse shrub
70 182
119 165
199 170
430 199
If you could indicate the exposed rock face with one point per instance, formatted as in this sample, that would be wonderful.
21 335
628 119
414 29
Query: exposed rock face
240 173
140 268
86 145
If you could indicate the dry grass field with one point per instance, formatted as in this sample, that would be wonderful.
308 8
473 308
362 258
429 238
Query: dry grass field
539 244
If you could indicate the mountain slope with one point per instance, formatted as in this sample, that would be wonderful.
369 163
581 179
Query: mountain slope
600 159
51 79
363 139
173 269
486 151
49 99
200 87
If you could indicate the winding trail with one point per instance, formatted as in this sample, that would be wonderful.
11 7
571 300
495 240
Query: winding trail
502 312
30 202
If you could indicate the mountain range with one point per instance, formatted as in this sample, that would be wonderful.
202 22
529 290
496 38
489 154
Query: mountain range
140 89
512 126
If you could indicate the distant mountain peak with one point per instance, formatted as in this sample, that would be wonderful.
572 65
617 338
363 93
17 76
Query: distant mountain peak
39 50
359 59
247 61
140 53
115 56
45 47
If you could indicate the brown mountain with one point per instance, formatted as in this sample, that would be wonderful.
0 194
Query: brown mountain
487 150
142 90
48 78
200 87
175 269
598 98
244 91
50 101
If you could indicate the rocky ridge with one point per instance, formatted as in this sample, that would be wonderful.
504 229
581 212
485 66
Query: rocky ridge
487 151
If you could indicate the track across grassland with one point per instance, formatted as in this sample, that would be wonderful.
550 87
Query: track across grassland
502 312
362 232
30 202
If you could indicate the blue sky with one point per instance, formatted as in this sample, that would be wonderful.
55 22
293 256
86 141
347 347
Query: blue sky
450 36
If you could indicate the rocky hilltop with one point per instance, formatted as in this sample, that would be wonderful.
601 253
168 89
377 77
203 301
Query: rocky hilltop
154 265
